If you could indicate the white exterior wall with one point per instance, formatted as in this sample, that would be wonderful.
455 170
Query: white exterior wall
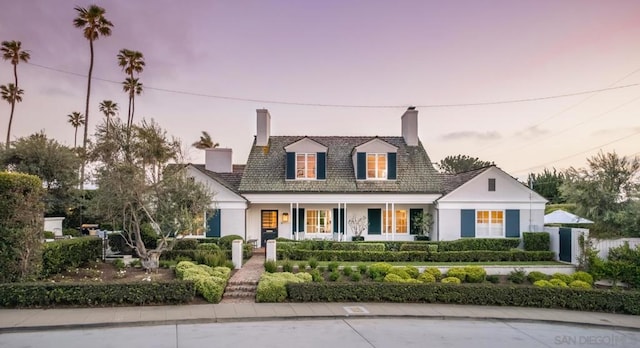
232 221
449 224
53 224
603 245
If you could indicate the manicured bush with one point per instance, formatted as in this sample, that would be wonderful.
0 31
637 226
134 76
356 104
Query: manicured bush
49 235
95 294
356 246
457 272
209 281
186 244
627 302
543 284
393 278
534 276
379 270
493 278
347 271
226 241
432 248
579 284
517 276
316 276
558 283
334 276
417 256
582 276
333 266
207 246
362 268
489 244
475 274
434 271
564 277
356 277
399 271
59 255
412 271
536 241
451 280
272 286
270 266
287 266
426 277
313 262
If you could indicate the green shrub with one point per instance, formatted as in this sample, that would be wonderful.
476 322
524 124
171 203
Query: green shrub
579 284
393 278
417 256
316 276
475 274
363 268
451 280
186 244
302 266
470 294
399 271
412 271
434 271
582 276
517 276
211 258
229 264
426 277
457 272
356 246
333 266
272 286
494 279
287 266
209 281
534 276
59 255
536 241
119 264
347 271
49 235
334 276
226 241
270 266
490 244
75 233
356 277
379 270
313 262
207 246
564 277
558 283
543 284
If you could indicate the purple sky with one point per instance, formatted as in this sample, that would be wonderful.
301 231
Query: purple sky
349 52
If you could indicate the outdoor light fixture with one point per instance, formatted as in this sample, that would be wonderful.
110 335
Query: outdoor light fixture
285 217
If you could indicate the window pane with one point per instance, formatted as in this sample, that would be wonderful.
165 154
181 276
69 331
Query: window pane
311 166
312 221
382 166
300 165
371 165
401 221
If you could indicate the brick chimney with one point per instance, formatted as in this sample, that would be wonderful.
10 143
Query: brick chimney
410 126
264 127
218 160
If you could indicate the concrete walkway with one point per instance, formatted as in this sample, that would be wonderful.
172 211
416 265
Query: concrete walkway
13 320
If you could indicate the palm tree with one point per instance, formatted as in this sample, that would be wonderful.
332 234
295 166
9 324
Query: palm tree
134 87
12 51
12 95
205 142
108 108
93 24
76 120
131 61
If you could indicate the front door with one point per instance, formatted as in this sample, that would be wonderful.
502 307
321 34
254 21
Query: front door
268 225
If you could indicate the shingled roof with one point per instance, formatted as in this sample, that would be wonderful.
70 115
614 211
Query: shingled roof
228 180
453 181
265 168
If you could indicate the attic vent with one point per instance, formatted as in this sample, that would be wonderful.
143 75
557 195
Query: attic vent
492 184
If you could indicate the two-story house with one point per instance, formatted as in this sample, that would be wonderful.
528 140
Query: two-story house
304 187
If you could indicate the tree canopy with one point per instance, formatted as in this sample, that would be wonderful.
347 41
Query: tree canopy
547 184
461 163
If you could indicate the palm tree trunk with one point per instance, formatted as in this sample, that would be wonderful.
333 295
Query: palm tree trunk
108 124
86 117
13 104
133 108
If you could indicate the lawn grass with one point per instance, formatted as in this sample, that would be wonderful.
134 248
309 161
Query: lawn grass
439 264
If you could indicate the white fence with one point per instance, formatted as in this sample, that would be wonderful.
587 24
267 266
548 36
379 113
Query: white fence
603 245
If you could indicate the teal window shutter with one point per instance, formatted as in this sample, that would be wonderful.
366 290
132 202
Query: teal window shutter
413 213
391 166
512 228
321 166
375 221
361 169
467 223
213 224
295 222
291 165
336 220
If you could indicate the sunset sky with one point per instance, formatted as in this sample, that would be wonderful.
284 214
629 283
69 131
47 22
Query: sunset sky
373 57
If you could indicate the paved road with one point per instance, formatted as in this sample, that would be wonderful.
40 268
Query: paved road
403 333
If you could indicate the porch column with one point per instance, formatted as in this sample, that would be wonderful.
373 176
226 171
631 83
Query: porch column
344 205
291 219
393 221
385 222
297 221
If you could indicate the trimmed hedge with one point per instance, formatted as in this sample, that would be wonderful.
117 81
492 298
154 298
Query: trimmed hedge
536 241
627 302
273 286
357 246
59 255
417 256
467 244
95 294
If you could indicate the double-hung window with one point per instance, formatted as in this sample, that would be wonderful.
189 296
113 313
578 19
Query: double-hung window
401 221
376 166
489 223
305 166
318 221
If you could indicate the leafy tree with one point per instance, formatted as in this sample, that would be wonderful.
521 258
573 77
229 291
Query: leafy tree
76 120
55 164
12 51
131 61
12 95
423 223
94 25
109 109
461 163
205 142
547 184
130 191
606 192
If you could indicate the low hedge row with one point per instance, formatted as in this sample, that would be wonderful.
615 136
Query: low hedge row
466 244
416 256
536 241
247 252
627 302
98 294
59 255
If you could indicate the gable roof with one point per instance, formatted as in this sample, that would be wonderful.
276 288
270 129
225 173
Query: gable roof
453 181
228 180
265 169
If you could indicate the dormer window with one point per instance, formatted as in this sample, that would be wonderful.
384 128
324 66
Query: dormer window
306 165
376 166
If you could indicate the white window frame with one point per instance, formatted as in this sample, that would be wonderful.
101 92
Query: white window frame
306 163
490 225
378 175
327 228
